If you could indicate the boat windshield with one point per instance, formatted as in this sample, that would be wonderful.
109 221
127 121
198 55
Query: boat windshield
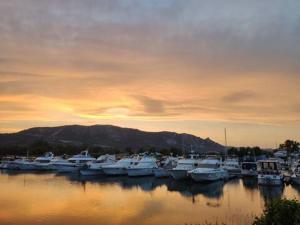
145 164
208 165
43 160
269 166
249 166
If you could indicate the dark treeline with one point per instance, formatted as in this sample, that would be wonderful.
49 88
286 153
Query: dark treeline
242 152
40 147
290 146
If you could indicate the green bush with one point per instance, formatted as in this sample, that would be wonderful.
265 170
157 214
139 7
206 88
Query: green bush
280 212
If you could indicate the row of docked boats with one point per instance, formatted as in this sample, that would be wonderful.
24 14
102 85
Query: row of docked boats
208 168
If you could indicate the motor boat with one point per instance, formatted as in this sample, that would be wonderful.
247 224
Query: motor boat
281 154
43 162
73 164
269 173
296 174
249 169
183 166
145 167
24 164
233 167
165 166
9 165
120 167
57 160
95 167
209 169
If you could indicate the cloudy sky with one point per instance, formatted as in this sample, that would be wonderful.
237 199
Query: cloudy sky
190 66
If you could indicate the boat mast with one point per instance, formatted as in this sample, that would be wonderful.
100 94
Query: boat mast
225 136
225 133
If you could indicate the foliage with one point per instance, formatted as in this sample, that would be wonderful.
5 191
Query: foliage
39 147
245 151
290 146
280 212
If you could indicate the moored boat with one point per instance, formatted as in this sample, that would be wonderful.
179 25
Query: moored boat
183 166
232 166
43 162
296 174
165 166
249 169
73 164
209 169
120 167
145 167
95 167
269 173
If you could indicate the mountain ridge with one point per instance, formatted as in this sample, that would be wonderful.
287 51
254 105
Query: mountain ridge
110 136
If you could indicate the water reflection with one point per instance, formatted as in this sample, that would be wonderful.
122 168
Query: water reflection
45 198
192 189
271 193
250 183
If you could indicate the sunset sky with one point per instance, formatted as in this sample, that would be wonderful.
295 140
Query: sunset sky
187 66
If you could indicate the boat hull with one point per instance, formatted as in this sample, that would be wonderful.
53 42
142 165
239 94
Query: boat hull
249 173
233 172
26 166
178 174
91 172
114 171
296 179
160 172
138 172
270 180
207 176
67 168
42 166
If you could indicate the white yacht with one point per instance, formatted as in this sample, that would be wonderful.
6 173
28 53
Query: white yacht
74 163
281 154
95 167
120 167
9 165
43 162
233 167
269 173
24 164
165 166
209 169
296 174
145 167
183 166
249 169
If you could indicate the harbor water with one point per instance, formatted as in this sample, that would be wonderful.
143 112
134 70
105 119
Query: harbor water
48 199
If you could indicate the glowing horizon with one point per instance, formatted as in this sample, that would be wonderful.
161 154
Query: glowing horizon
193 66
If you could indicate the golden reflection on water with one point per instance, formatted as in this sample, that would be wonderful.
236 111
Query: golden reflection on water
50 199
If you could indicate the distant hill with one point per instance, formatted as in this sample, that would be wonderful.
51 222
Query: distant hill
109 136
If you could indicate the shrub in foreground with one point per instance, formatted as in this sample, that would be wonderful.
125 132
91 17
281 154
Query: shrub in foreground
280 212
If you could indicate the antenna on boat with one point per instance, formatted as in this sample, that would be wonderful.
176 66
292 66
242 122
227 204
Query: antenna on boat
182 143
225 135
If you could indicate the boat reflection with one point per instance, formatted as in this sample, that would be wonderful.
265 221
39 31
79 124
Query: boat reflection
192 189
271 192
185 188
250 183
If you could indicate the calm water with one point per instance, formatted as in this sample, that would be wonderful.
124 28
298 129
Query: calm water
27 198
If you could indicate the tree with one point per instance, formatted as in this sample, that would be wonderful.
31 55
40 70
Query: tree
280 212
290 146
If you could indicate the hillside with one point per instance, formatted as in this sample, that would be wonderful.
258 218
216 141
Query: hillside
109 136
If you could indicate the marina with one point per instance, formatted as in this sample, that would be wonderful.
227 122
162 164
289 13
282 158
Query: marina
50 198
142 188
